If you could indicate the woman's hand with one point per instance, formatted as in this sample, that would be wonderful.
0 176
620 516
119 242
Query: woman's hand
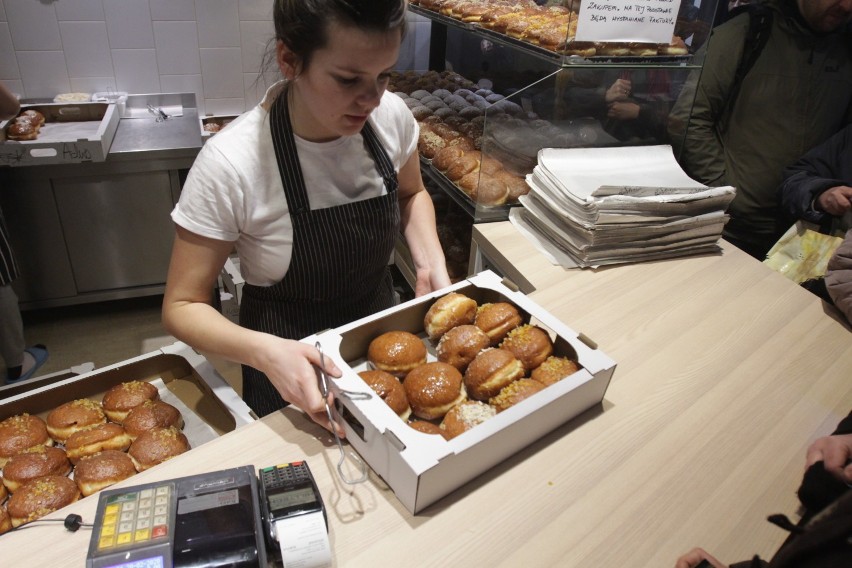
835 452
291 367
694 557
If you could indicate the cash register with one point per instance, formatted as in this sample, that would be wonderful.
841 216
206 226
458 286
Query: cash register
222 518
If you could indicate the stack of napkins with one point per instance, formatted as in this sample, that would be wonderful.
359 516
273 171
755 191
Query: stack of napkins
612 205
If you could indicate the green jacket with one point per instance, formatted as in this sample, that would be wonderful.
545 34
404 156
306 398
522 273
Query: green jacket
797 94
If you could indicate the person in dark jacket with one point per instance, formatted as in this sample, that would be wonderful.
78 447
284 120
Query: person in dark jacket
797 94
823 537
838 277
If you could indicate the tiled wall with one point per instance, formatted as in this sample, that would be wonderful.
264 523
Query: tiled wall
209 47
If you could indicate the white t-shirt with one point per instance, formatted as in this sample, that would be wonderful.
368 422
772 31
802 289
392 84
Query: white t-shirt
234 193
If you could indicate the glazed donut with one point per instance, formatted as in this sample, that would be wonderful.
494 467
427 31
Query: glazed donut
530 344
389 390
460 345
426 427
491 370
33 116
41 497
514 393
20 433
151 414
4 493
155 446
465 416
447 312
445 156
396 352
433 389
101 470
5 521
76 415
36 462
118 400
554 369
497 319
22 130
94 439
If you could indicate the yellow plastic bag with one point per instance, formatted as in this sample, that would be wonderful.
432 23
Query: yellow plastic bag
802 253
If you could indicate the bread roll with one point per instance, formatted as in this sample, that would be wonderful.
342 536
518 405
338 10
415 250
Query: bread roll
433 389
396 352
554 369
389 390
460 345
120 399
465 416
108 436
447 312
491 370
41 497
34 463
153 447
514 393
72 416
151 414
529 343
97 471
497 319
20 433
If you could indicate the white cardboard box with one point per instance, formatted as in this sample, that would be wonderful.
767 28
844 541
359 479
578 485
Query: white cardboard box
61 140
422 468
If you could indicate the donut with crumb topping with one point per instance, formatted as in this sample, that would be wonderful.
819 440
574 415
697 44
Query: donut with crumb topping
151 414
120 399
514 393
497 319
101 470
5 521
554 369
22 432
72 416
107 436
41 497
529 343
465 416
36 462
155 446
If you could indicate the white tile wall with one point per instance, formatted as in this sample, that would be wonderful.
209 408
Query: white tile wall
212 48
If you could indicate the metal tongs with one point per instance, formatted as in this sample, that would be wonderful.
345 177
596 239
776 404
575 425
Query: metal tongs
352 395
158 113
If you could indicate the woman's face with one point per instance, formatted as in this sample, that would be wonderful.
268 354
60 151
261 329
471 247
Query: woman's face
343 82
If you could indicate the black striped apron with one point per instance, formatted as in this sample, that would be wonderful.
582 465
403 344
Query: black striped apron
339 265
8 265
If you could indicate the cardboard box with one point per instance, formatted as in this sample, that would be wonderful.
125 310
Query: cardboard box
422 468
72 133
185 373
211 124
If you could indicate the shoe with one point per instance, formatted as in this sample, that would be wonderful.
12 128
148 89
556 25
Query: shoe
40 354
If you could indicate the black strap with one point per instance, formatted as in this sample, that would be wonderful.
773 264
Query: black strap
759 26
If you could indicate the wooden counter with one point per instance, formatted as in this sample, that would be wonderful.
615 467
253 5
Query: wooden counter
726 372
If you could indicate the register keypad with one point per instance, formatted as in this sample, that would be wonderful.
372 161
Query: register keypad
135 517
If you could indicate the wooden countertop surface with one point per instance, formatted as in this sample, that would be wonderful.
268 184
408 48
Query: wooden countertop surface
726 372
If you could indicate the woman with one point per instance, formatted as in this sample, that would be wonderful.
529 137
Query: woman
311 188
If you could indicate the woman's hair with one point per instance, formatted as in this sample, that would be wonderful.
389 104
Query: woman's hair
303 24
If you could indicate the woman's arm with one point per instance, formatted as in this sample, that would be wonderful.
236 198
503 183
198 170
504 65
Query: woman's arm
418 227
188 315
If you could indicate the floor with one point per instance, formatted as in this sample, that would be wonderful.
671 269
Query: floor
103 334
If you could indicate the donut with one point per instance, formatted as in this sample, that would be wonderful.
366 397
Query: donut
4 493
514 393
426 427
389 390
465 416
491 370
5 521
448 312
33 116
94 439
22 130
483 188
497 319
445 157
554 369
118 400
21 432
530 344
151 414
101 470
155 446
396 352
66 419
461 166
433 389
460 345
41 497
36 462
516 184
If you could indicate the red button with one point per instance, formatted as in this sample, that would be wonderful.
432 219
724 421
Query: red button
159 530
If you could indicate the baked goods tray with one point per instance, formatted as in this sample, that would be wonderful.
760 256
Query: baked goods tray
476 210
422 468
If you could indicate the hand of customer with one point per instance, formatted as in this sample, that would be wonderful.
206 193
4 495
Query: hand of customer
836 200
291 367
835 452
623 111
694 557
618 91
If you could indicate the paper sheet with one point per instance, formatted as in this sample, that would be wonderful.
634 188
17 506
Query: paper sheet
197 431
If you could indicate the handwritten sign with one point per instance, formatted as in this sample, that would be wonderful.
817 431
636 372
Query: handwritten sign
650 21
